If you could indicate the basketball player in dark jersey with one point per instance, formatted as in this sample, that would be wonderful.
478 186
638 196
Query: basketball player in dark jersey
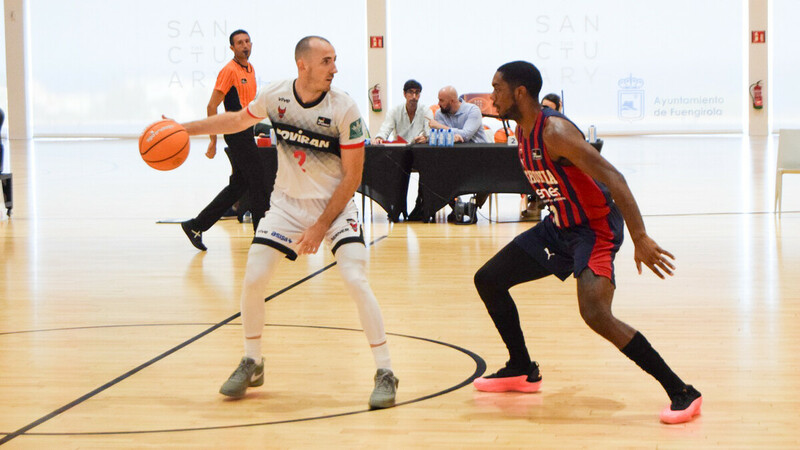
588 199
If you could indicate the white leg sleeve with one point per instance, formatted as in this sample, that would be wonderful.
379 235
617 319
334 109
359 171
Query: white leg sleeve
352 262
261 264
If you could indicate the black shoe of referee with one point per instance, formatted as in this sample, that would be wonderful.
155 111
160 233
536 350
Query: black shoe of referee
195 237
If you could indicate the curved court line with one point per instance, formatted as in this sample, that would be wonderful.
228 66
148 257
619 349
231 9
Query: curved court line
480 368
83 398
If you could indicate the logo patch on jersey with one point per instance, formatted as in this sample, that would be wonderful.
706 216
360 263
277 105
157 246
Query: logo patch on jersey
281 112
304 138
353 225
244 80
536 153
283 100
323 121
541 177
356 131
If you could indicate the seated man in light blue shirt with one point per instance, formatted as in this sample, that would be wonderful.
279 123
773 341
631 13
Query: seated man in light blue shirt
465 119
409 121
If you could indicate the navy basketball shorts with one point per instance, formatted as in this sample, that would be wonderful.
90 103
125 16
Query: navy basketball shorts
571 250
289 217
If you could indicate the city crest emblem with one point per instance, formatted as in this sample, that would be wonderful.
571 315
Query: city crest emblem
630 99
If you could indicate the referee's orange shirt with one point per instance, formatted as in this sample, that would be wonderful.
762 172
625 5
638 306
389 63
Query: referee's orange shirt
238 83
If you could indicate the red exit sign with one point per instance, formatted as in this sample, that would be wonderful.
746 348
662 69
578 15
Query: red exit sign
376 42
758 37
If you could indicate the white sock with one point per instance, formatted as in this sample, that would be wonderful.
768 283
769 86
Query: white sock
252 349
382 358
261 264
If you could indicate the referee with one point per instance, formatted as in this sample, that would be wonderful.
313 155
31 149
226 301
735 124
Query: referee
236 86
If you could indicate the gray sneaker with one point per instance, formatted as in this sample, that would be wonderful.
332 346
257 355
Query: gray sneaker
248 374
385 390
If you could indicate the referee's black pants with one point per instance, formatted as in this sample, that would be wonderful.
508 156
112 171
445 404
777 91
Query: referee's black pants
248 177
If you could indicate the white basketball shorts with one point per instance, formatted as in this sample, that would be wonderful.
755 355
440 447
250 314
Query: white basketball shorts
289 217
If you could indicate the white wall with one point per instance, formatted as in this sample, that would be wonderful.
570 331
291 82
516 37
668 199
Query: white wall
3 79
109 68
683 59
783 38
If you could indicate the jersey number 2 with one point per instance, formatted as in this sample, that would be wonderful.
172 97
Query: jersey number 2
301 158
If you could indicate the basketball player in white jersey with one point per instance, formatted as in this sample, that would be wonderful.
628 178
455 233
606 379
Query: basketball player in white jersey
320 159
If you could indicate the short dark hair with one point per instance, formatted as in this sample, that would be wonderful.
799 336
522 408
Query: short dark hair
411 84
303 45
555 99
522 73
230 39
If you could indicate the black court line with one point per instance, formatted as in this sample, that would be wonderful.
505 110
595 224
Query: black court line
43 330
480 368
733 213
131 372
700 214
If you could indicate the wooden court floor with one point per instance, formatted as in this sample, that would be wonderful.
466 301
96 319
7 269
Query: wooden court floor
116 333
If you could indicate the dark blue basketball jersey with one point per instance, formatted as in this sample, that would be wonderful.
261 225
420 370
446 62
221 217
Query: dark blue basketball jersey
574 197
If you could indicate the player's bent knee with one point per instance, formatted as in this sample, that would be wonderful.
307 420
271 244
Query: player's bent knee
353 275
261 262
594 314
352 262
484 278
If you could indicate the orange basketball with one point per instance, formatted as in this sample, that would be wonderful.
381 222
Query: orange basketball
164 145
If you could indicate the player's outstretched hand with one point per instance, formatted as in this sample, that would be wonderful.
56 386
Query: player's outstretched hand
653 256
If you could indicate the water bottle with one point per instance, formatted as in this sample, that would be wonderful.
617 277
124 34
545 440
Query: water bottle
434 137
450 140
592 134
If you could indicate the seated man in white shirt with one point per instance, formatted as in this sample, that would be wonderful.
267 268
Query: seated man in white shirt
411 122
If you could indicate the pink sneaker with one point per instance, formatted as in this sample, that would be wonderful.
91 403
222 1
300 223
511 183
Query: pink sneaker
508 380
684 406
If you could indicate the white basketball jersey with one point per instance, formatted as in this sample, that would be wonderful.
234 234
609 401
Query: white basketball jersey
310 137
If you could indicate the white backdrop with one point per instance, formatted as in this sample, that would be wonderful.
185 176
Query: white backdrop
109 67
783 38
3 79
624 65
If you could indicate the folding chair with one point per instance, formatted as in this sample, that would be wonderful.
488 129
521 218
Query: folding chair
788 160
